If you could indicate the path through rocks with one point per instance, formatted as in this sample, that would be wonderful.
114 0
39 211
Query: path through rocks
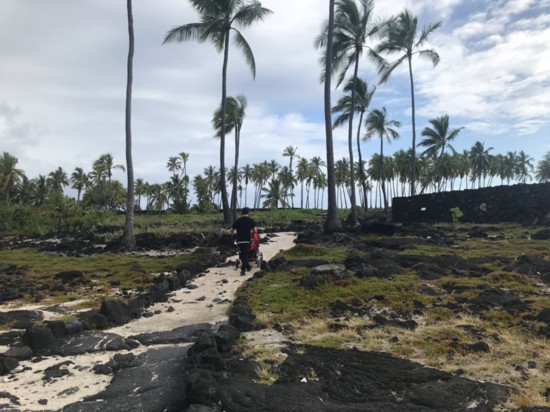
138 366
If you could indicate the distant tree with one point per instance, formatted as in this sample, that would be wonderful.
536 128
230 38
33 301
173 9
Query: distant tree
543 169
79 181
274 194
104 168
10 176
480 161
524 166
57 180
290 152
437 138
377 123
218 20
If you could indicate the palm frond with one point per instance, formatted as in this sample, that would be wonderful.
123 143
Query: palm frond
242 44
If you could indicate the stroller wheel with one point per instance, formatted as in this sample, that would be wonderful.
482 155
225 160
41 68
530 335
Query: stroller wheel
259 260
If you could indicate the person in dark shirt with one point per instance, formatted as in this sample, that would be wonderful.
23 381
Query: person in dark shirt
243 227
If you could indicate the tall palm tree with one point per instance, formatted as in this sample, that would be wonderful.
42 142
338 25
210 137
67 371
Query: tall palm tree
332 222
400 35
378 123
235 112
290 152
363 97
128 238
10 176
352 28
218 21
79 180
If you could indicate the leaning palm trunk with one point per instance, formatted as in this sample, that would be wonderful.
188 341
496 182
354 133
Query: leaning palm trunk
128 237
353 212
413 110
361 171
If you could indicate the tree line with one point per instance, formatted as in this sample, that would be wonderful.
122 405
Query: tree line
350 31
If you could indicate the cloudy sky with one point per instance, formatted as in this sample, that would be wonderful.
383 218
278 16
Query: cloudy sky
63 79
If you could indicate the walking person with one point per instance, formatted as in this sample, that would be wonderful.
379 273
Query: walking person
243 227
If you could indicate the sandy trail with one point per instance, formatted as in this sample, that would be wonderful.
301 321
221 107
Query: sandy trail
208 303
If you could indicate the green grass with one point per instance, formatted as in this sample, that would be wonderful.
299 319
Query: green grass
104 270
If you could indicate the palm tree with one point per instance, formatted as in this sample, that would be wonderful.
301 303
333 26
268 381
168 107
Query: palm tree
341 176
235 112
543 169
184 157
332 222
57 180
274 194
79 180
40 190
287 181
218 20
524 167
377 122
105 166
140 190
290 152
399 35
246 174
479 158
302 172
10 175
352 28
128 238
363 96
437 138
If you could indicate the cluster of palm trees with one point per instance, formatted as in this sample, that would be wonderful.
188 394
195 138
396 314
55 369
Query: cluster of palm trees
100 190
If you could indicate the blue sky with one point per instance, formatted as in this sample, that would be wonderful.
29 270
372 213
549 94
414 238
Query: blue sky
63 79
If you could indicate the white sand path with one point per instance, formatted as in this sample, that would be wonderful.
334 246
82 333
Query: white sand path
189 306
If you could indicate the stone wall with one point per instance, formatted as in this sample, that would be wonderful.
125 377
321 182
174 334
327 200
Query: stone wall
527 204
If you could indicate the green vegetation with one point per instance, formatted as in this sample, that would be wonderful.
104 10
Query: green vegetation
456 214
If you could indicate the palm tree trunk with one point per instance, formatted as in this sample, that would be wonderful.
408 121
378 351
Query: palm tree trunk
332 223
413 171
353 212
227 216
128 237
234 190
362 173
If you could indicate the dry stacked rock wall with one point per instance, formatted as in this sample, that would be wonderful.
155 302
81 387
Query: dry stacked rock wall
527 204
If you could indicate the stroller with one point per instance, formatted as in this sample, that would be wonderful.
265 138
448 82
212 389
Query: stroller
255 254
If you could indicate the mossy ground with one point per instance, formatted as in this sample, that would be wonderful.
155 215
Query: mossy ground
518 356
